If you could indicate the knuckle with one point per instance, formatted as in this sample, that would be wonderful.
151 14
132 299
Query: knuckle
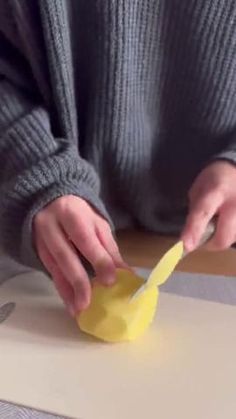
75 218
63 205
105 227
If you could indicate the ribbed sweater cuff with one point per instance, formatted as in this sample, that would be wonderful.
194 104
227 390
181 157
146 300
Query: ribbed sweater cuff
228 155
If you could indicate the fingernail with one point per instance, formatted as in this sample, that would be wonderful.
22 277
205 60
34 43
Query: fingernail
109 281
81 304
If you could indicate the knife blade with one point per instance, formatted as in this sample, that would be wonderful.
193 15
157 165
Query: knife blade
169 261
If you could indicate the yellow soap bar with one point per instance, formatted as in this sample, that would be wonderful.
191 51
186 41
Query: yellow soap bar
112 317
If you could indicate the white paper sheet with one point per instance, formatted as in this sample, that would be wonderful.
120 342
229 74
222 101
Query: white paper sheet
183 367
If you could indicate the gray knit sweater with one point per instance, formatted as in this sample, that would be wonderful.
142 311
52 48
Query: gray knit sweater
121 102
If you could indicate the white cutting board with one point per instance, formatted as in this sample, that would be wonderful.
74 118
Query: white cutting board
184 367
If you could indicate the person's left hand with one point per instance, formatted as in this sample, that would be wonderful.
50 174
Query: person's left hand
213 193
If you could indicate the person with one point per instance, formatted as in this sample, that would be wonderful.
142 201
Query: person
114 114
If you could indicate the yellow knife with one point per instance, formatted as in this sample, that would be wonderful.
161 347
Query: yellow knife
168 262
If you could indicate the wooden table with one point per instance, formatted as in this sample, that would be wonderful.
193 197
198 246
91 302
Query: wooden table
145 249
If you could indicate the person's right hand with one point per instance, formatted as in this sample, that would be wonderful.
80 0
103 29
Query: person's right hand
65 227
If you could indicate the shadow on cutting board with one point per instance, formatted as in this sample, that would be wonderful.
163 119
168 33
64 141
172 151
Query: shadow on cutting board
51 322
38 314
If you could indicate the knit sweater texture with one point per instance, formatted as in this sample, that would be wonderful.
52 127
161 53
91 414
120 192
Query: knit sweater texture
120 102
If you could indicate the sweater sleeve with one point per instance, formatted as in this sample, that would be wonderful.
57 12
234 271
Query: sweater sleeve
229 154
226 152
35 169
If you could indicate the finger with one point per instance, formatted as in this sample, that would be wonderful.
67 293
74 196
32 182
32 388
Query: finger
107 240
201 212
86 241
64 289
225 234
69 263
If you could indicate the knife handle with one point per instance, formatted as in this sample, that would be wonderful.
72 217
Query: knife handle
208 234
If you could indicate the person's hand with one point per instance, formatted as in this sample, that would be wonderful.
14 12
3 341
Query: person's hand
213 193
62 229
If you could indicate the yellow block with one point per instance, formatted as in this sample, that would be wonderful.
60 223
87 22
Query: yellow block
112 317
